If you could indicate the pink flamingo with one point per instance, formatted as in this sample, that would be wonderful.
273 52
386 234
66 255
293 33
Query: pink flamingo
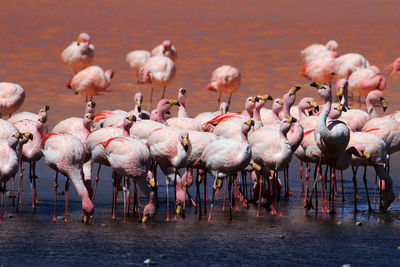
165 49
12 96
159 71
171 148
8 163
346 64
225 157
79 54
272 151
271 116
7 129
321 69
91 81
25 115
93 145
375 155
393 67
136 60
203 117
314 51
31 152
131 158
225 79
75 123
362 81
183 121
64 153
333 138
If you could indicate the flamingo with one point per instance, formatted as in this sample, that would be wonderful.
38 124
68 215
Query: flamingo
7 129
332 139
159 71
75 123
362 81
225 79
91 81
131 158
376 155
136 59
8 163
346 64
320 70
96 137
79 54
226 156
65 153
165 49
171 148
31 152
29 115
271 116
314 51
393 67
183 121
12 96
203 117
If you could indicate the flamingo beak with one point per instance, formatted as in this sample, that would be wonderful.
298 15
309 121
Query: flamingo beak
139 105
185 141
17 135
266 97
46 107
384 104
293 90
367 155
152 183
314 105
256 167
92 104
339 93
145 219
254 99
132 118
168 112
280 102
316 85
291 120
250 123
90 117
173 102
183 91
179 209
28 135
43 119
78 42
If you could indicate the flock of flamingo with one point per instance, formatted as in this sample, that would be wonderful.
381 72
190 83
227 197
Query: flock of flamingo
256 143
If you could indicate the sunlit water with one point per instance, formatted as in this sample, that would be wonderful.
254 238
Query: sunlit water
263 40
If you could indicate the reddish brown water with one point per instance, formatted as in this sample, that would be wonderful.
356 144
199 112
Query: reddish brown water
263 39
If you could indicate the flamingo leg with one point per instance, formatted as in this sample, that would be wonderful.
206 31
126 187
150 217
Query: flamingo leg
219 99
212 200
114 201
376 182
205 193
55 196
260 183
355 184
1 205
229 99
231 196
13 191
151 98
341 174
34 181
163 93
223 203
21 179
301 177
32 191
97 181
167 189
66 198
5 198
366 188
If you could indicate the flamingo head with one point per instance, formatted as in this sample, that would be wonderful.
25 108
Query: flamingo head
332 45
341 88
293 90
223 108
182 96
109 73
383 103
323 90
90 107
211 87
138 101
166 46
184 139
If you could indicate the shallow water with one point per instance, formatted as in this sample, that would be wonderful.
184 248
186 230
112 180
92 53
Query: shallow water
263 40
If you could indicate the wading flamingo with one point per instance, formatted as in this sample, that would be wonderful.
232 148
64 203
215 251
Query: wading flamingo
225 79
12 96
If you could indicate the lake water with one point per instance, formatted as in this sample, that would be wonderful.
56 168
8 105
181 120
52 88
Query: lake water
263 39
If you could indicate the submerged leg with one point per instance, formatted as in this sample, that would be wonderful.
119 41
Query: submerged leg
66 198
366 188
55 196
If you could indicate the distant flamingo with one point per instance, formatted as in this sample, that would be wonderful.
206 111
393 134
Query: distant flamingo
346 64
64 153
165 49
159 71
79 54
136 60
225 79
91 81
362 81
131 158
393 67
321 69
314 51
12 96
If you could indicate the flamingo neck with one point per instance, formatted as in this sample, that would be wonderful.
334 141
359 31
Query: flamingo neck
302 112
182 110
77 180
371 109
296 137
275 112
160 117
324 114
126 129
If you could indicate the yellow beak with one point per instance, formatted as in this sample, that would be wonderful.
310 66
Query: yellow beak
185 142
266 97
280 102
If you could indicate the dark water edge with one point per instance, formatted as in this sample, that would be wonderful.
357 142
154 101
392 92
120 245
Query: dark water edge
294 240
